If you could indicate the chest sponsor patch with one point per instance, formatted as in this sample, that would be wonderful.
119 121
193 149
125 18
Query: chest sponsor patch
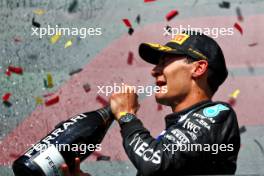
191 126
180 136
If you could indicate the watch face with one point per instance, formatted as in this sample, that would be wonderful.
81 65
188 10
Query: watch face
127 118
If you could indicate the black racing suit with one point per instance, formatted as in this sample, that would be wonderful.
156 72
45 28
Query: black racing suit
202 139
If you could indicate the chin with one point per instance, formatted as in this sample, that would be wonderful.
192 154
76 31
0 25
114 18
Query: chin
162 99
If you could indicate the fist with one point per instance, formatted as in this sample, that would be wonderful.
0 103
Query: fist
127 101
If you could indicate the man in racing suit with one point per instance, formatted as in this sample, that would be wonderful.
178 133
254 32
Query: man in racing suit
201 136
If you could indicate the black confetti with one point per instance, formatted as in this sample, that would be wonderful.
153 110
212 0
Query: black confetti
242 129
130 31
225 4
259 145
34 23
103 158
239 14
7 104
138 19
75 71
253 44
45 83
73 6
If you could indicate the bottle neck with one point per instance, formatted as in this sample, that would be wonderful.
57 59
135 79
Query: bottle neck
106 115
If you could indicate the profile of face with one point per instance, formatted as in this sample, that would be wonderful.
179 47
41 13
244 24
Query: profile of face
176 75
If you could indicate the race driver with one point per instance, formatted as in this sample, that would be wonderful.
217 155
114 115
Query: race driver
191 67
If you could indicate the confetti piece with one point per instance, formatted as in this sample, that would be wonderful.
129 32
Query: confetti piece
39 100
14 155
17 70
34 23
6 97
7 104
75 71
45 83
101 100
253 44
250 68
49 81
127 23
130 58
8 73
17 39
130 31
232 102
224 4
171 14
87 87
73 6
239 14
138 19
242 129
239 28
52 101
103 158
55 38
235 94
159 108
68 44
146 1
259 145
39 12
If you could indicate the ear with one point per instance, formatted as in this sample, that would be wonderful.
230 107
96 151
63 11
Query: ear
199 68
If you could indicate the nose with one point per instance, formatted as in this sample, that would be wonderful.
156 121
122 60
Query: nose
156 71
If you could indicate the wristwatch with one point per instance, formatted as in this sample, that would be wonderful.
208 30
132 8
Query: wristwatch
127 117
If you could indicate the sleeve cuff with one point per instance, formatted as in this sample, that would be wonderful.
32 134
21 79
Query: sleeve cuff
131 127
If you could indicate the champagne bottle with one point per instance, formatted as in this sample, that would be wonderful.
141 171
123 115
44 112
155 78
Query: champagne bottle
78 136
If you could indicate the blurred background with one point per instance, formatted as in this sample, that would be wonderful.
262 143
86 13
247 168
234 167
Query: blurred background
46 80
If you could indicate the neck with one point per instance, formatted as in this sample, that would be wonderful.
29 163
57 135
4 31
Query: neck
190 100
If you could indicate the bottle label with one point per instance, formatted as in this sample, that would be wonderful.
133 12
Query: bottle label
50 161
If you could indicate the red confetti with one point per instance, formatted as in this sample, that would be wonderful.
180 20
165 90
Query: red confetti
232 101
253 44
171 14
8 73
101 100
159 108
17 70
130 58
6 97
149 1
239 28
127 23
14 155
52 101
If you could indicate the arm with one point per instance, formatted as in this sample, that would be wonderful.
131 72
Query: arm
153 157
